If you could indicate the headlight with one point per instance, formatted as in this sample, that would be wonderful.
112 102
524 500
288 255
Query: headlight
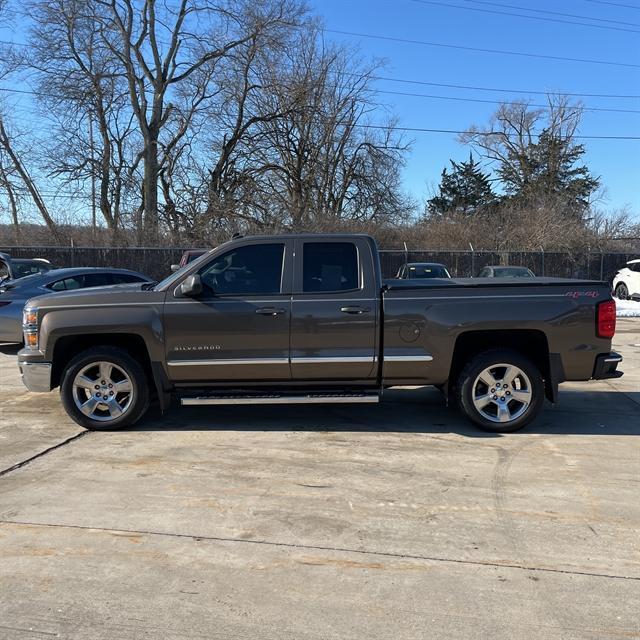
30 327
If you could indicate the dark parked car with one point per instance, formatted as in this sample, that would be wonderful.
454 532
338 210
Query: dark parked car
309 319
188 257
420 270
14 293
14 268
506 272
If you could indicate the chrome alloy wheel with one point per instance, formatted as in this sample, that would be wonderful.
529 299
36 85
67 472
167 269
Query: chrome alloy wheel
502 393
102 391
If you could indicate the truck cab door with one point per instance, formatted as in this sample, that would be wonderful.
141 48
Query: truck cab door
237 328
334 312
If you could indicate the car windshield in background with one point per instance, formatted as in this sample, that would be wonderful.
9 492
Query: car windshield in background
427 271
513 272
22 269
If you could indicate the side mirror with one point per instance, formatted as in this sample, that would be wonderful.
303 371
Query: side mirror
174 267
192 286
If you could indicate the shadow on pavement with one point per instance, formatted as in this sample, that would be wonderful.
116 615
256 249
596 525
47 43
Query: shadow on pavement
405 411
9 348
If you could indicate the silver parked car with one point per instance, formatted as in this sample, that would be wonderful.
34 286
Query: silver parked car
14 293
422 270
506 272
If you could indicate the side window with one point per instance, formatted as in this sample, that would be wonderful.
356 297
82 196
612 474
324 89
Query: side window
68 284
93 280
251 270
57 286
329 266
124 278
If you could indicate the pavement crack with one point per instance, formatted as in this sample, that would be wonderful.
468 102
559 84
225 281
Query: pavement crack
24 463
311 547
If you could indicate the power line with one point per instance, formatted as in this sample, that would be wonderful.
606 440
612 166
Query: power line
499 133
480 50
553 13
522 15
434 84
501 90
615 4
459 99
396 93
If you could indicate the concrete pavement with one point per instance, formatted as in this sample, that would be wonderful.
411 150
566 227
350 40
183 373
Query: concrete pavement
392 521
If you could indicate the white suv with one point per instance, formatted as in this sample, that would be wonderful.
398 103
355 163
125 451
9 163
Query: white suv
626 283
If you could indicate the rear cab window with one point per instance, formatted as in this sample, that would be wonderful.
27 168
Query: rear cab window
330 267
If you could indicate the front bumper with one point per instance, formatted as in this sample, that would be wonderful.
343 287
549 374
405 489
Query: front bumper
36 376
606 366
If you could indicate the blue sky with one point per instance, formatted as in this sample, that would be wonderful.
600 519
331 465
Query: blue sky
455 22
616 161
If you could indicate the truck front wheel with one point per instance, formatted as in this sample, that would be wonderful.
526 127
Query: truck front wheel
104 388
500 390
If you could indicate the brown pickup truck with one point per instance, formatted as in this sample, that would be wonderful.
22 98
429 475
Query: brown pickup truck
308 319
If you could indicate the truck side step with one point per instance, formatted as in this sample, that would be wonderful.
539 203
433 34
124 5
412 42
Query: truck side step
274 398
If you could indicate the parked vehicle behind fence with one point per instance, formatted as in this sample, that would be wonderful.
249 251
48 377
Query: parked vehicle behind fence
506 271
15 268
187 257
15 293
422 270
626 283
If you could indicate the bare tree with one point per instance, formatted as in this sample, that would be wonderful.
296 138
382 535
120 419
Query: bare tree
324 161
82 87
161 47
7 145
535 153
7 184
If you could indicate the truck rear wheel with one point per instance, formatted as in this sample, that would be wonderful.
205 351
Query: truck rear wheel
500 390
104 388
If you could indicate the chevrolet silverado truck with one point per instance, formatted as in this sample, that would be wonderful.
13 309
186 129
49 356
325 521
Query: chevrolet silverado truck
309 319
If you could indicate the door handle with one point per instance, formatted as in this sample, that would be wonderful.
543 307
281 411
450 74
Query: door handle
355 310
269 311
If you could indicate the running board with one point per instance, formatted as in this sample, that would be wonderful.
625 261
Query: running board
311 398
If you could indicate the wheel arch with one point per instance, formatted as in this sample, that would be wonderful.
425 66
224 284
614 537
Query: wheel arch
531 343
68 347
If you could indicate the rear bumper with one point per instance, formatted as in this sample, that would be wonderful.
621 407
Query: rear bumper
36 376
607 366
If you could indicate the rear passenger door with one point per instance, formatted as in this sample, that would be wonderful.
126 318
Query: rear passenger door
334 311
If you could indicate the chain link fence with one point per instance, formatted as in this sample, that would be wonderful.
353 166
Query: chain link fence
156 261
463 264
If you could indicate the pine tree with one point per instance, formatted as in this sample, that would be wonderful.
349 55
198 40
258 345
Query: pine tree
466 189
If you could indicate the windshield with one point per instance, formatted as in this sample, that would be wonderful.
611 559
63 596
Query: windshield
512 272
22 269
427 271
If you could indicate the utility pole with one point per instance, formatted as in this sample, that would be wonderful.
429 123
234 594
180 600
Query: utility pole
93 182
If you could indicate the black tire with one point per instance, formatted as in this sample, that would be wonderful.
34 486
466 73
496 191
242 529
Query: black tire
622 292
470 374
120 358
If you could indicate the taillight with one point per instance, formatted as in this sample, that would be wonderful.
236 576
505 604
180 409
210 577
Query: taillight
606 319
